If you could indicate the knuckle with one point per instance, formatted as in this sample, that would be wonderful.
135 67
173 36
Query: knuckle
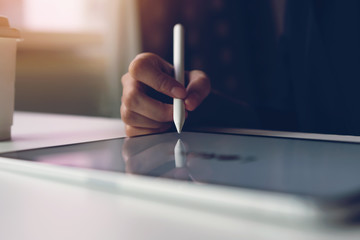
125 79
147 56
130 99
140 62
126 115
125 100
135 66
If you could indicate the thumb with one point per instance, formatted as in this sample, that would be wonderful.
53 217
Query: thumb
197 90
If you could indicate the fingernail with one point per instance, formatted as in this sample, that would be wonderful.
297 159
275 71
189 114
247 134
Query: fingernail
187 102
178 92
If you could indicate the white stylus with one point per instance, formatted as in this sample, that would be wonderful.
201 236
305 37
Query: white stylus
178 104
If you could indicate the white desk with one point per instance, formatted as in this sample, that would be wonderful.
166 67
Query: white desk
32 207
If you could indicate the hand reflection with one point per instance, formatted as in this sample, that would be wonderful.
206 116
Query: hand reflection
199 157
154 155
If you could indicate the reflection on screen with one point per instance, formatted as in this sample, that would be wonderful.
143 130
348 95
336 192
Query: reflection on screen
304 167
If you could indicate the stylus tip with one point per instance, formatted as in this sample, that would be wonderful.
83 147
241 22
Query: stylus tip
179 127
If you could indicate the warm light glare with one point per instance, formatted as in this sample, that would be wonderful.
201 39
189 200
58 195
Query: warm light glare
64 15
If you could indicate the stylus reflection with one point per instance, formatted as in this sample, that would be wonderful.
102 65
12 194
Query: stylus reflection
156 155
189 158
180 154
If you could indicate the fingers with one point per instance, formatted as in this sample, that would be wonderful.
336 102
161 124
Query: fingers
137 120
144 115
140 113
135 100
178 173
155 72
148 158
197 90
134 146
137 131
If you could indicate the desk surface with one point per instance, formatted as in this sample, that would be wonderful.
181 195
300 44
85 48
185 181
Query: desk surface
33 130
36 208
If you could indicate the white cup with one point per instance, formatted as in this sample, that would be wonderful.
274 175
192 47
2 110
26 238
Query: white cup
8 41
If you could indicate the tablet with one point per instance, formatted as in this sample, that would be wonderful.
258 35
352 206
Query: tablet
324 174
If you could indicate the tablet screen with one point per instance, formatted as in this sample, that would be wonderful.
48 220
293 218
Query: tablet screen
304 167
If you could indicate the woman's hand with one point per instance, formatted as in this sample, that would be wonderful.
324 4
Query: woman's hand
145 115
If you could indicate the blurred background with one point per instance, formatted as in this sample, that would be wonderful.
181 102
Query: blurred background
73 54
75 51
